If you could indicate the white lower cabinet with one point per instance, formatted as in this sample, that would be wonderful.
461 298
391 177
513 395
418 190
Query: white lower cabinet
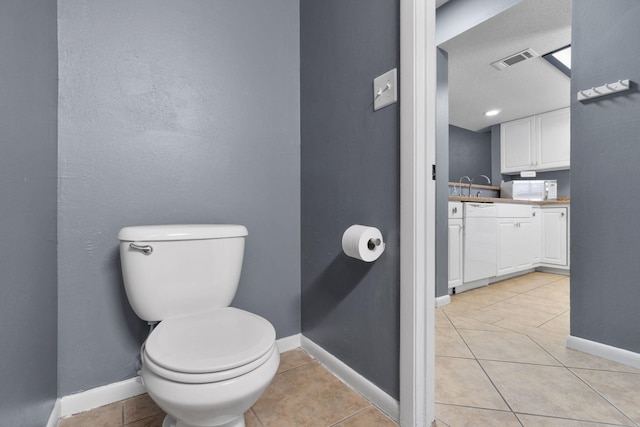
555 236
516 239
455 252
455 244
528 237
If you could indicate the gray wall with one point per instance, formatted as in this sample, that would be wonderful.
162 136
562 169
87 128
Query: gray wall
173 112
605 154
442 174
28 168
469 154
350 175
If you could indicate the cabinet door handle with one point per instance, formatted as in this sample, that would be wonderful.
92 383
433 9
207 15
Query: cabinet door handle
561 214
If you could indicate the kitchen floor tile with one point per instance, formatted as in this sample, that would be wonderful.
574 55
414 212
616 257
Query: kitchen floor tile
464 382
461 416
577 359
620 388
550 391
460 321
506 347
449 343
538 421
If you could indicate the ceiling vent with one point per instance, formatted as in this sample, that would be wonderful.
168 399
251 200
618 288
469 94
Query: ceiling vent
514 59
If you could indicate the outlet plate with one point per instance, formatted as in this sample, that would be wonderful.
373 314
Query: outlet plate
385 89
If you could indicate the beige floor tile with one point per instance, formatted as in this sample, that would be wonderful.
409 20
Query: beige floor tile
442 321
506 347
250 419
620 388
577 359
449 343
558 291
152 421
542 304
532 331
460 416
559 325
520 314
105 416
537 421
139 407
293 359
463 382
306 396
369 417
485 316
517 285
550 391
461 321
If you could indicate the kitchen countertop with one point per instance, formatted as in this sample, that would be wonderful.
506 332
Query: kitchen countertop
560 201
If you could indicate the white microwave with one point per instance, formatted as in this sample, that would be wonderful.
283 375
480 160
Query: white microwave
537 190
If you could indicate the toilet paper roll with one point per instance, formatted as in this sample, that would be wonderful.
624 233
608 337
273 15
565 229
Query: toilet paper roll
363 243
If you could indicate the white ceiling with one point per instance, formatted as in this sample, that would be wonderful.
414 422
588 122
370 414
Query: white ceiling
526 88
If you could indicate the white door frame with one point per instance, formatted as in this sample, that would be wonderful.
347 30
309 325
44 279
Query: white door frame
417 212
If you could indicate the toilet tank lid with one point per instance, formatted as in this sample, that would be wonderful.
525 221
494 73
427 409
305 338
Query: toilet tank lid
155 233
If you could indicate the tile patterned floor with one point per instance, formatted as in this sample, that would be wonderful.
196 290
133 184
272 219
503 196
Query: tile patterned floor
501 360
303 393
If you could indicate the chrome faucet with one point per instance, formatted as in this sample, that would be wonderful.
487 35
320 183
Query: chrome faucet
479 176
460 184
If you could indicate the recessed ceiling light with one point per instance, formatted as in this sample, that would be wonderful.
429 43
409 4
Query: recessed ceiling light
491 113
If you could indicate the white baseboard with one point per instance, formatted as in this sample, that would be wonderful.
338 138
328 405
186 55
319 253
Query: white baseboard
111 393
54 418
605 351
360 384
100 396
443 300
288 343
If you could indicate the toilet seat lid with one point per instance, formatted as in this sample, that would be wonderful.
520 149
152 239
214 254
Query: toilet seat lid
211 341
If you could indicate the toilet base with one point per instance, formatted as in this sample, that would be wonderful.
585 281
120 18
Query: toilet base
169 421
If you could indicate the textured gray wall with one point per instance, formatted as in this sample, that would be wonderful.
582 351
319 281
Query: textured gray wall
605 154
350 175
173 112
469 154
442 174
28 168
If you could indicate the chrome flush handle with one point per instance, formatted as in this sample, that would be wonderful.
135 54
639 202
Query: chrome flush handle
146 249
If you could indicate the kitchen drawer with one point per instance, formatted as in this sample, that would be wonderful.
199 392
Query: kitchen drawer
506 210
455 210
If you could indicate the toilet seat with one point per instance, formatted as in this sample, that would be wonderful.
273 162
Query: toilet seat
209 346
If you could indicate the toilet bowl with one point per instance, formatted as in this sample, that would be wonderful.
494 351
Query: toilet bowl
205 364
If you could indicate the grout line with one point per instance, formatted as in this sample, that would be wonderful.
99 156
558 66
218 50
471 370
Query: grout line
352 415
594 423
601 395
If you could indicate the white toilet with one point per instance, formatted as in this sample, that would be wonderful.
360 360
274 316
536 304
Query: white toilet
205 363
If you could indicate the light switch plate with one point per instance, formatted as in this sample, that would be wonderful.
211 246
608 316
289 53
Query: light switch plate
385 89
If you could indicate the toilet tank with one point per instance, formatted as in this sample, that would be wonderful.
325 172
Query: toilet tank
171 270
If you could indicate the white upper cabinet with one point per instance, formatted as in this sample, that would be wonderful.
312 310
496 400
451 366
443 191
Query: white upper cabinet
541 142
517 144
554 139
